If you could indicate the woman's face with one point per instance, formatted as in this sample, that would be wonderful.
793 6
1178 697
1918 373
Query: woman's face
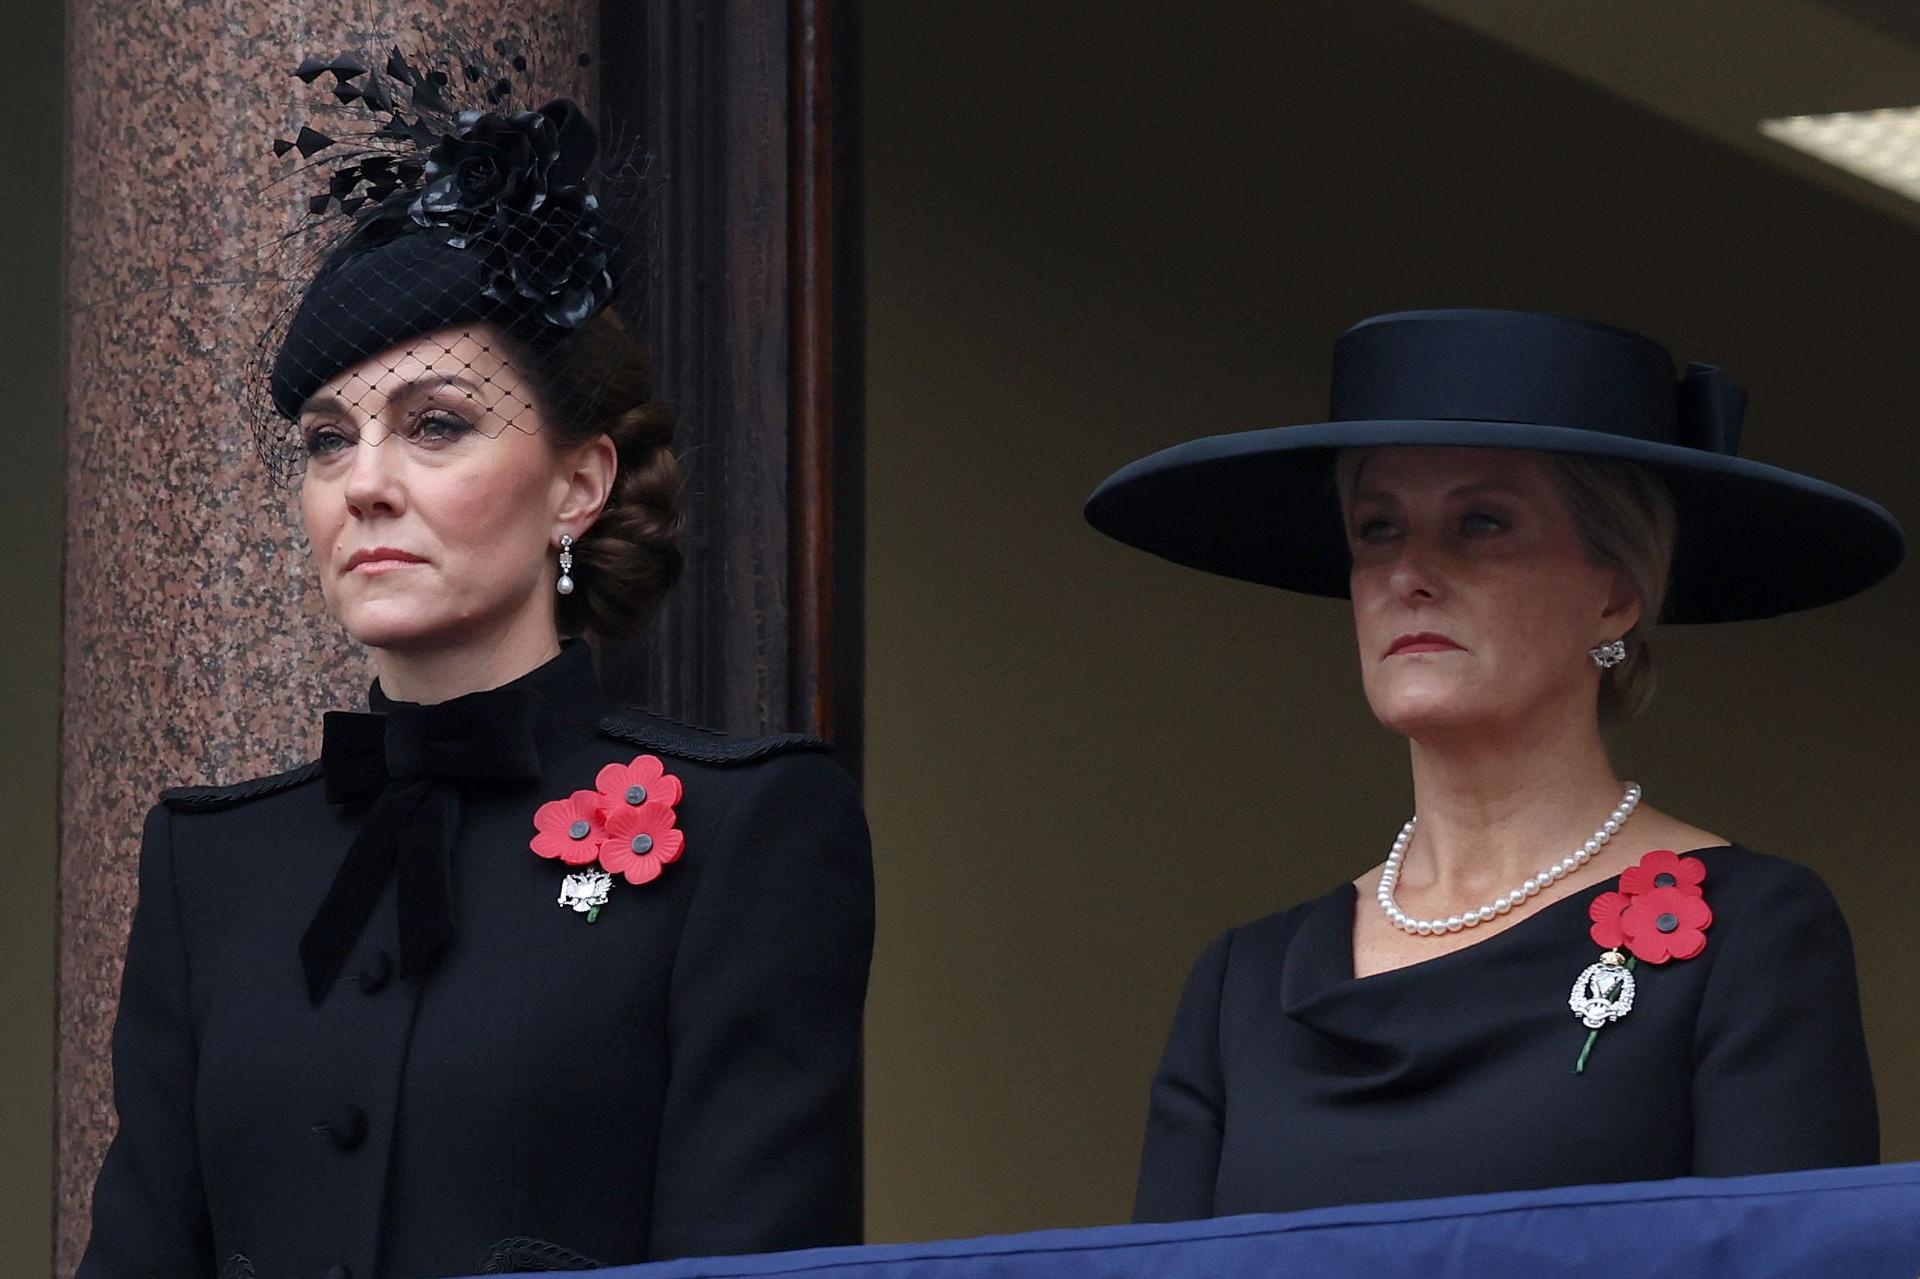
1474 600
432 496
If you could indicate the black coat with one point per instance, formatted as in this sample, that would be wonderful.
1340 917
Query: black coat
679 1077
1287 1083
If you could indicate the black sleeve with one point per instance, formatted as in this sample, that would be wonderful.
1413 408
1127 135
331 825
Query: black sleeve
149 1209
760 1136
1781 1079
1181 1158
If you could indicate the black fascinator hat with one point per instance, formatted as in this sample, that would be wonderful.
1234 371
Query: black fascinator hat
443 204
1753 540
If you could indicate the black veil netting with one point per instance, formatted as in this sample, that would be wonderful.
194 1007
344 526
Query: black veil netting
447 227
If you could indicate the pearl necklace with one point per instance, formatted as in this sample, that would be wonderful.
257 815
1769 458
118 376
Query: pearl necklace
1390 876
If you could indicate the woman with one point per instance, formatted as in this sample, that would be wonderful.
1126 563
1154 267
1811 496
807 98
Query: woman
509 979
1511 500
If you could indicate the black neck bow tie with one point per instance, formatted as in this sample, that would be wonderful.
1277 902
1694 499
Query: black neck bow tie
409 763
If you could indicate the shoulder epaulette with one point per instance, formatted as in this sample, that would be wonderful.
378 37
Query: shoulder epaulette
658 733
201 799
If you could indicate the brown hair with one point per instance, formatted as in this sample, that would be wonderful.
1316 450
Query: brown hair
598 380
1624 514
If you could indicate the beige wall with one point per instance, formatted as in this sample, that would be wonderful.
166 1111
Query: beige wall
30 417
1095 230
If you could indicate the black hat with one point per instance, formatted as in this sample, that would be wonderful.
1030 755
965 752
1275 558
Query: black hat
1753 540
444 206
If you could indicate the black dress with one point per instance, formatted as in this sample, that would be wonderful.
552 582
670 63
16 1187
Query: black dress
680 1076
1287 1083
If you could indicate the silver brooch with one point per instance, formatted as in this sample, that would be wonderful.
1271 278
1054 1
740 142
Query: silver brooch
585 892
1604 992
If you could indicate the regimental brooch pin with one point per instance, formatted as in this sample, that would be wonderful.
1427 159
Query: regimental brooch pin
1659 913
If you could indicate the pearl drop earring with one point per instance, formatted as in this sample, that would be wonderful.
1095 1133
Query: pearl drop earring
565 584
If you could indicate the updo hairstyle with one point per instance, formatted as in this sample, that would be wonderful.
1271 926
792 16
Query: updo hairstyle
593 380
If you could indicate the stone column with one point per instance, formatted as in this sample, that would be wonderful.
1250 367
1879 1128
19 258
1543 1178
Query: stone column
196 648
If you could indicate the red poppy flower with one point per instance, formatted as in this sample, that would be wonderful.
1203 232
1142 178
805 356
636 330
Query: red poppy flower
640 840
644 781
1663 868
1666 923
1605 911
570 829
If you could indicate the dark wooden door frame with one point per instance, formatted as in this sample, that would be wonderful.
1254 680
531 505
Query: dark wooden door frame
750 107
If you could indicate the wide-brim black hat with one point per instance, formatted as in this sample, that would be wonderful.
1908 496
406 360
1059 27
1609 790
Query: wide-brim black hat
1753 540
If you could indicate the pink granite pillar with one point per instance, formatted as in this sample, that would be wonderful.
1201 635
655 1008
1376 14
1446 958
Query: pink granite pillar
195 646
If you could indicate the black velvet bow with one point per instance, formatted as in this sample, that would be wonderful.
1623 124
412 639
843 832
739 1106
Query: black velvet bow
408 764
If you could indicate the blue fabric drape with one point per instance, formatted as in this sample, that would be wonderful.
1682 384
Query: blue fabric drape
1862 1223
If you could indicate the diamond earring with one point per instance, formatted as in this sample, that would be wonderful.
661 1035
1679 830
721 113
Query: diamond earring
565 584
1608 656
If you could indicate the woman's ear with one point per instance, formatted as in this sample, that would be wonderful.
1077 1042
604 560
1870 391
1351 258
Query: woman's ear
591 469
1624 608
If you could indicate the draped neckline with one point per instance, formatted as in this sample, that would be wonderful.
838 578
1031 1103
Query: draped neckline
1318 974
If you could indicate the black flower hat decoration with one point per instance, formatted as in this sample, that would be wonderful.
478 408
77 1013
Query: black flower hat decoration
441 201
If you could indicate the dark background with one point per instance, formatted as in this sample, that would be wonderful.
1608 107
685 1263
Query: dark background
31 95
